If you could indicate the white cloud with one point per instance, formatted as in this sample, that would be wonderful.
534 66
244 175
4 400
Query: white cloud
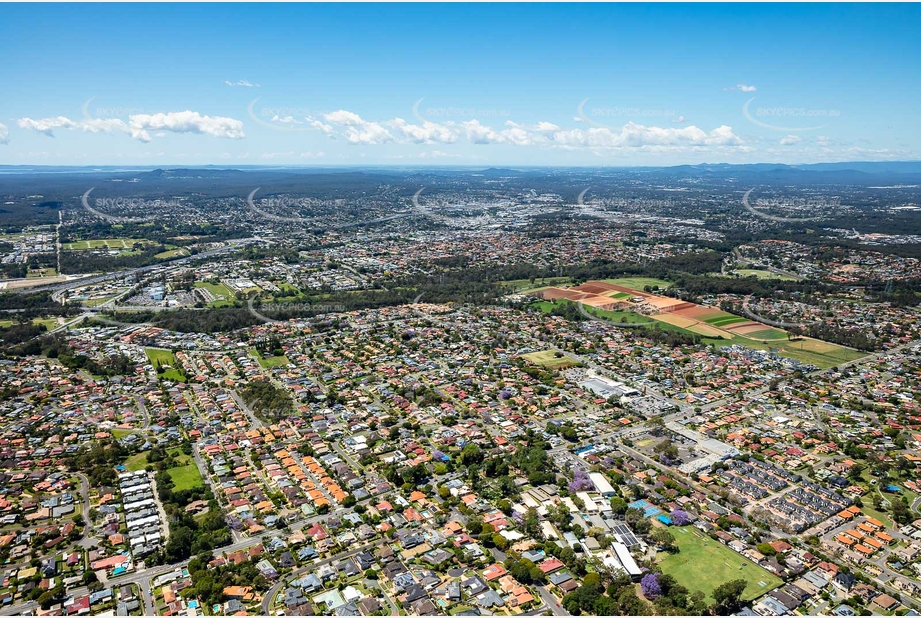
368 134
139 125
275 155
438 154
480 134
345 118
633 135
242 82
790 140
359 131
285 119
547 127
516 134
426 133
356 130
185 122
46 125
742 88
4 134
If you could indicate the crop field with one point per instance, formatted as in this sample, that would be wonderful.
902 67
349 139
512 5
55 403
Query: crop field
719 328
723 319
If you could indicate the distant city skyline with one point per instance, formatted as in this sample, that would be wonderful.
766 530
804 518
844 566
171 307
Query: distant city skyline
465 85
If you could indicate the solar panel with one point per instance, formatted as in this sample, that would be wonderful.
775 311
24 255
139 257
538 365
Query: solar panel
625 535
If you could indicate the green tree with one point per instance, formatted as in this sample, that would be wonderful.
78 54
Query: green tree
727 596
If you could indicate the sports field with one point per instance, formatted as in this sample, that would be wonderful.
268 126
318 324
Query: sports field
765 332
548 359
223 295
703 564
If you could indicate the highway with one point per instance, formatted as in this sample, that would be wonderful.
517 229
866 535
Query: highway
58 288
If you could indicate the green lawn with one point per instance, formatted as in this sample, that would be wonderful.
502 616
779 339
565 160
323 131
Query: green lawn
105 243
269 361
170 253
136 462
165 358
763 274
638 283
548 359
272 361
95 302
185 477
768 333
703 564
38 273
797 350
185 473
50 323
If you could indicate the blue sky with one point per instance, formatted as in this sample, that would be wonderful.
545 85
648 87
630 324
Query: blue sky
480 84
